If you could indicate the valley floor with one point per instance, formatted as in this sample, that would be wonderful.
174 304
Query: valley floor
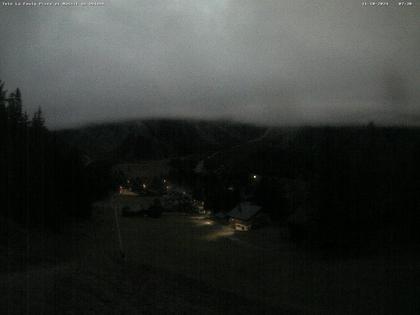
181 264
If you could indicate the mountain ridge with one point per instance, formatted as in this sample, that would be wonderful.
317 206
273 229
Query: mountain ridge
149 139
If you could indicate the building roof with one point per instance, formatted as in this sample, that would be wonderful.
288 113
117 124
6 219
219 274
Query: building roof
244 211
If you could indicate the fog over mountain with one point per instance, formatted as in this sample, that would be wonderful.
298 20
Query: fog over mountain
272 62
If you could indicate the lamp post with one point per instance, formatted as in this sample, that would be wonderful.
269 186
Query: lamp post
117 225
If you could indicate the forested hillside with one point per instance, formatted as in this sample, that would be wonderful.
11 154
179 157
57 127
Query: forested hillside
337 186
42 180
346 187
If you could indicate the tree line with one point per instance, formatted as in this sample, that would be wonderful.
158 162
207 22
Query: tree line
42 180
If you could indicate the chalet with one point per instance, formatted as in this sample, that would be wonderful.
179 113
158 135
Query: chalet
245 216
127 191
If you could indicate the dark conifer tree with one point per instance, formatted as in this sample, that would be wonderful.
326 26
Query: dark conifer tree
38 121
41 181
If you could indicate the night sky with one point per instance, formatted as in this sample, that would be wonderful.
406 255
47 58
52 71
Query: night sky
273 62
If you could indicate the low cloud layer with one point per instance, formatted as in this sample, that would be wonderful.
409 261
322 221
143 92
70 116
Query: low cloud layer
274 62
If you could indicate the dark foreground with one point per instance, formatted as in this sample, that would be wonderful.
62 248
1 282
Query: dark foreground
188 265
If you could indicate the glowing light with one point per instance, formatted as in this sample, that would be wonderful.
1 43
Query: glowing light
144 186
202 220
221 232
197 217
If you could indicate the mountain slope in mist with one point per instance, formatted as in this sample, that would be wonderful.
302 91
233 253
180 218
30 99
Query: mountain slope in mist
158 138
